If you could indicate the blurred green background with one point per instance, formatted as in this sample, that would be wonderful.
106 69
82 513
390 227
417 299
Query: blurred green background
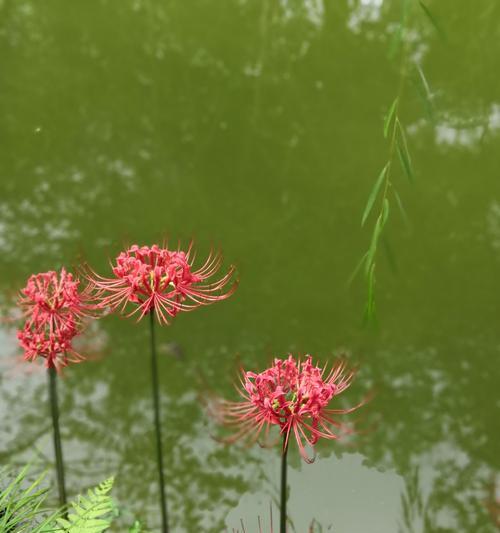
256 125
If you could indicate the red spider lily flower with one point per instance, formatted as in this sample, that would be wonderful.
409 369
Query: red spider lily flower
53 300
56 347
294 396
53 307
162 281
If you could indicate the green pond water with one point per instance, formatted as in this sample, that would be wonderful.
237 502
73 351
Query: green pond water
256 125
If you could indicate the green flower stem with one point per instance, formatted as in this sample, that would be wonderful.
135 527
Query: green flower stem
54 410
156 405
283 487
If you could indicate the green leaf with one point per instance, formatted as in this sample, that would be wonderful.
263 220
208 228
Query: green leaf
373 194
433 20
385 212
389 116
422 86
370 302
64 523
21 503
405 164
401 207
91 513
357 269
404 154
424 81
377 230
372 250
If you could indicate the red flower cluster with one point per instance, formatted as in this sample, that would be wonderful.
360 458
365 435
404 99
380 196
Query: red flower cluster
162 281
293 395
53 308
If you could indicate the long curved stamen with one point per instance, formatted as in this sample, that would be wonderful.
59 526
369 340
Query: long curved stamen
53 307
161 280
293 395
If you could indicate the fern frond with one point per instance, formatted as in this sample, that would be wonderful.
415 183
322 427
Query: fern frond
90 513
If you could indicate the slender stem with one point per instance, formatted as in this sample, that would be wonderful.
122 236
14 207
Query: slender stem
156 404
54 410
283 486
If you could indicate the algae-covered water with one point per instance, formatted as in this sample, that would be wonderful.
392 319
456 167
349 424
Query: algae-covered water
256 125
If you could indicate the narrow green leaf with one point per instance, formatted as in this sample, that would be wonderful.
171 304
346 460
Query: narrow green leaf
425 83
405 164
404 154
377 230
370 301
13 485
385 213
424 92
356 270
400 205
388 117
402 135
373 194
433 20
372 250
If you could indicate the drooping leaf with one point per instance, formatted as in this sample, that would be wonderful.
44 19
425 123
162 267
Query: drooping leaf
423 90
433 20
374 193
404 154
405 163
389 116
377 230
425 83
372 250
356 270
369 314
370 301
385 212
400 206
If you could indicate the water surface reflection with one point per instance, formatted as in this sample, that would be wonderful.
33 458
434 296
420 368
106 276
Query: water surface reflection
257 125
